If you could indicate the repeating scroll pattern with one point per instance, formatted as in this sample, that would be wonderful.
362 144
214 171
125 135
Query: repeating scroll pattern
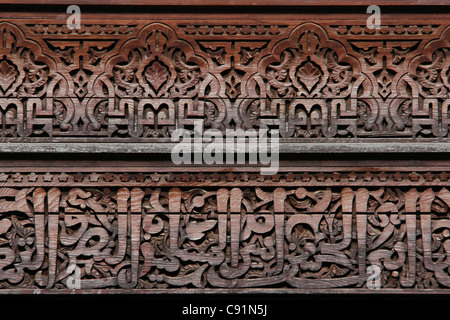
142 81
164 238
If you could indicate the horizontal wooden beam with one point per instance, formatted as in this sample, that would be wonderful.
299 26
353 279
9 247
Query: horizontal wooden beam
167 147
238 3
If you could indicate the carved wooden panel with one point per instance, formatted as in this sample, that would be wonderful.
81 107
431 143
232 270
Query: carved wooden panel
96 221
140 80
299 230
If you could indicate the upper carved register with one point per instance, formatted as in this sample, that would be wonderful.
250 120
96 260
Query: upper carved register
139 82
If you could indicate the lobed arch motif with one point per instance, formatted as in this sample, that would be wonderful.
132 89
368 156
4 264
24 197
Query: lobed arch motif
310 84
310 65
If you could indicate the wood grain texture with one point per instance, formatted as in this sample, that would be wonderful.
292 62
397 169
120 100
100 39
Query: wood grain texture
228 3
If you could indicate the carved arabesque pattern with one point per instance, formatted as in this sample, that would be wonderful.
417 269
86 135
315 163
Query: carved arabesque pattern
307 80
130 228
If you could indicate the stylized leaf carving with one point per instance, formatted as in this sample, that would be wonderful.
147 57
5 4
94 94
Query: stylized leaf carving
7 75
309 75
156 74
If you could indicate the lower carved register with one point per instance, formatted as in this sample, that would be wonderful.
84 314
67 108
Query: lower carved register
153 239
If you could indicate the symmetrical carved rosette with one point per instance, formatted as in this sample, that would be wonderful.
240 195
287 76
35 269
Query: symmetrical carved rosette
311 81
66 238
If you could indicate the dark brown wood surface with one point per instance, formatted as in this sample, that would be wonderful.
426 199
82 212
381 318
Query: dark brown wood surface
90 200
212 3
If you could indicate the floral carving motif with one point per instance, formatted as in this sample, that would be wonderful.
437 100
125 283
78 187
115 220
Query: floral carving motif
309 75
304 71
429 75
156 74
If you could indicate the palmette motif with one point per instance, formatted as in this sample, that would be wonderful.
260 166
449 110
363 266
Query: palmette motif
163 238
